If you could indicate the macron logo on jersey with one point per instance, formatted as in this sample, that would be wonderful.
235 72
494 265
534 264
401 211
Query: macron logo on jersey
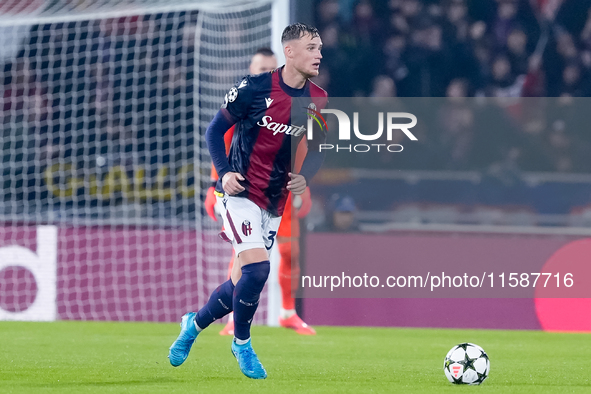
276 128
268 100
242 84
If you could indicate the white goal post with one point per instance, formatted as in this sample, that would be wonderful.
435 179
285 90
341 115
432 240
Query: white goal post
103 109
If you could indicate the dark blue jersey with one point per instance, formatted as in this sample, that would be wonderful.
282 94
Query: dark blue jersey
271 121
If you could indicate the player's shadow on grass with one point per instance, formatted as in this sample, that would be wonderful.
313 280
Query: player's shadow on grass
142 382
121 382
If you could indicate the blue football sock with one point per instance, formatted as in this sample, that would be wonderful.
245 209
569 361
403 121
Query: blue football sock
246 296
218 306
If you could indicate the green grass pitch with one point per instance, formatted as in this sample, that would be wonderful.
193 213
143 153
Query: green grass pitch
77 357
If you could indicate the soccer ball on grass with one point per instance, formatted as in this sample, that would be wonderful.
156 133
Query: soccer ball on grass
466 363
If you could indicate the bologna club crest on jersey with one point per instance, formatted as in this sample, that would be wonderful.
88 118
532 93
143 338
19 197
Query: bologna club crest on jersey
246 229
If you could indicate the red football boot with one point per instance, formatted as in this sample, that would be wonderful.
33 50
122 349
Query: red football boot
228 329
295 323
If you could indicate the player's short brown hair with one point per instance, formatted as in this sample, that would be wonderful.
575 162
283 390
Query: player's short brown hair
295 31
265 51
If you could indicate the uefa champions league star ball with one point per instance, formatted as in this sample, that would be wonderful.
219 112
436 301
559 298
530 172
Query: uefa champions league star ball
466 363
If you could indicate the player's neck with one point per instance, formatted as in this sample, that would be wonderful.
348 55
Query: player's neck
293 78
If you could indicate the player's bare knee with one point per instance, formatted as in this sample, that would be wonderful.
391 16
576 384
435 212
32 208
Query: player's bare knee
250 256
236 273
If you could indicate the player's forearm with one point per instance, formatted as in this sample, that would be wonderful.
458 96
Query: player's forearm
214 136
312 164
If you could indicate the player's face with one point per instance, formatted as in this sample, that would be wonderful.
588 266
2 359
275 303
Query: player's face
342 221
262 64
306 55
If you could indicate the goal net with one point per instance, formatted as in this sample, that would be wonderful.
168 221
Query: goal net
103 110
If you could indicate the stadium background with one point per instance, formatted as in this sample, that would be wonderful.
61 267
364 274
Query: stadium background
104 105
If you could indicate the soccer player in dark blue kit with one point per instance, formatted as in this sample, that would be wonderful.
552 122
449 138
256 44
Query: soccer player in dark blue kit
270 113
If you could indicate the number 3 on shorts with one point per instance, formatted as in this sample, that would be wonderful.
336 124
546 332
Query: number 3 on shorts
271 238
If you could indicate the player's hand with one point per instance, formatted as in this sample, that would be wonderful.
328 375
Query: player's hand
306 204
231 184
297 185
210 202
